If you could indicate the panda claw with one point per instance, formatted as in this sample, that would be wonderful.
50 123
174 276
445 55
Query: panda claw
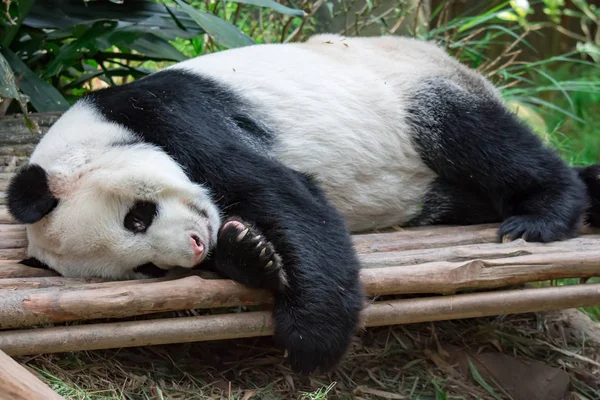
242 234
247 257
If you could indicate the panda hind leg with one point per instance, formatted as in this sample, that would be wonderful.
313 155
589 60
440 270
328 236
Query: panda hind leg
471 141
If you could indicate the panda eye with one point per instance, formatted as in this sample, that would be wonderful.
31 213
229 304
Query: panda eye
140 216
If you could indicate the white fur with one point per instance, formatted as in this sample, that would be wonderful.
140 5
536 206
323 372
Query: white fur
97 184
338 107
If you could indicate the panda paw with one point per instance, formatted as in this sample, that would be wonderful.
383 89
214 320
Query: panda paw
246 256
533 229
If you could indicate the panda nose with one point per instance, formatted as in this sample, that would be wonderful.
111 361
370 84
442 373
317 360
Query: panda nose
197 245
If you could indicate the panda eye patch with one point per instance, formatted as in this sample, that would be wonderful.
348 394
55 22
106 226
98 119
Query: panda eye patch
140 216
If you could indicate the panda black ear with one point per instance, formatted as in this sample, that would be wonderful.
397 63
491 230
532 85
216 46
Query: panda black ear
29 196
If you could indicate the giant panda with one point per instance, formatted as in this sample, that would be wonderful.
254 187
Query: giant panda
258 162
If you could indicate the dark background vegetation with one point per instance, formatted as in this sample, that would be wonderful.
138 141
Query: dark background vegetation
544 55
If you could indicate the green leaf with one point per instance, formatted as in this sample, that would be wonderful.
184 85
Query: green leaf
120 71
9 90
273 5
43 96
220 30
87 43
154 46
482 382
508 16
479 19
140 15
8 31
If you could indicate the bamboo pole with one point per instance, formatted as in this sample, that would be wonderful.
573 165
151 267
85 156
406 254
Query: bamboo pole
5 217
13 254
252 324
17 383
477 251
45 282
22 308
11 269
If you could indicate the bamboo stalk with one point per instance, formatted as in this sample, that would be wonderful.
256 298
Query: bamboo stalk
13 254
21 308
45 282
477 251
17 383
252 324
422 238
11 269
5 217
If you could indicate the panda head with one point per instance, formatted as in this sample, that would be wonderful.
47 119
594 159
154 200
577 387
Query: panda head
102 204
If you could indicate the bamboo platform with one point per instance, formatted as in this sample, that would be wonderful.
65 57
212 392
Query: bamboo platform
414 275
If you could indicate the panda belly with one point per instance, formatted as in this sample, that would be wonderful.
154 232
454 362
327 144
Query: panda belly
374 184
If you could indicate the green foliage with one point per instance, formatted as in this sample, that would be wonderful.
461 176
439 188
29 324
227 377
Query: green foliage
59 49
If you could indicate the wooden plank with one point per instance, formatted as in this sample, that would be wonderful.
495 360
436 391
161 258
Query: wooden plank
230 326
5 217
17 383
9 269
14 131
22 308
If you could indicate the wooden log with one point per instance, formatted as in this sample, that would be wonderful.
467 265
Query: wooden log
240 325
421 238
14 131
450 277
5 217
10 269
45 282
476 251
424 271
21 308
17 383
13 254
10 163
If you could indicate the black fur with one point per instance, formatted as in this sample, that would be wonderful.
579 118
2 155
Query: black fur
491 167
245 255
591 177
139 218
204 127
34 263
29 196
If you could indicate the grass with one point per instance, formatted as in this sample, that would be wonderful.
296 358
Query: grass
401 362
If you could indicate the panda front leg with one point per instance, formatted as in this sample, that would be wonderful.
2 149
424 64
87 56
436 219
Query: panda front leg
480 149
246 256
288 239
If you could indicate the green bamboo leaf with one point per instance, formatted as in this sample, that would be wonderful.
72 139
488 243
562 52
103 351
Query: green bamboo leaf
477 376
220 30
43 96
273 5
87 42
9 90
8 31
154 46
139 15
